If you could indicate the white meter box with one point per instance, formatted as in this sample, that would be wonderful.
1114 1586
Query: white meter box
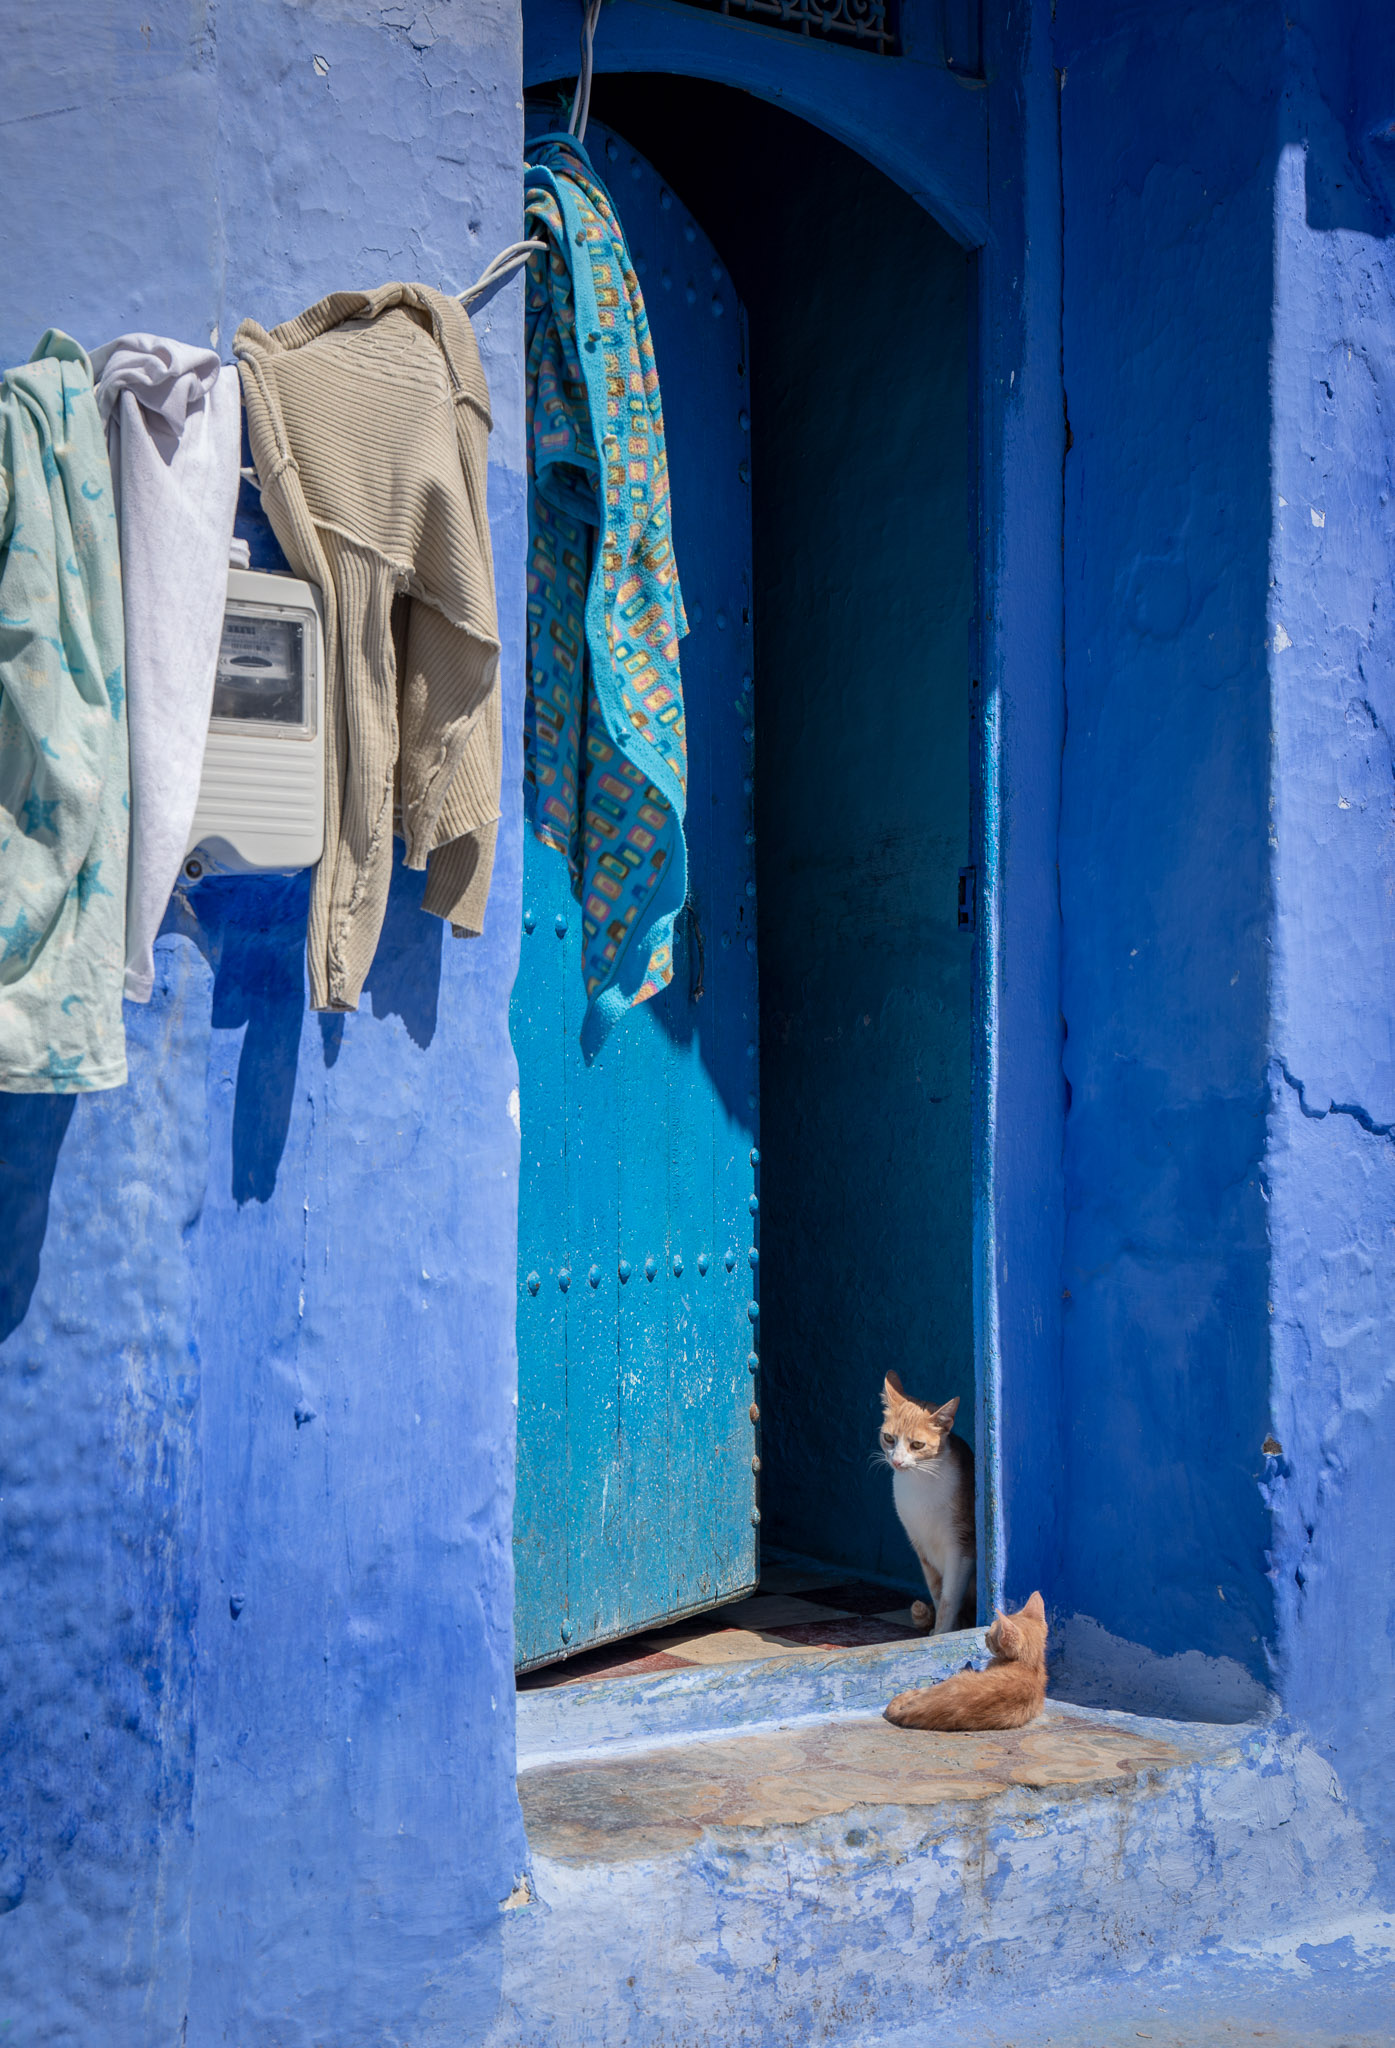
261 806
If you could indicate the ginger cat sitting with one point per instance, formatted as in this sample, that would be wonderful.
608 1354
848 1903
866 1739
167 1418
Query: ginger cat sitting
933 1489
1011 1692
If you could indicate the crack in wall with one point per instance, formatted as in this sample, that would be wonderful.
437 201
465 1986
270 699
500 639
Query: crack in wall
1351 1109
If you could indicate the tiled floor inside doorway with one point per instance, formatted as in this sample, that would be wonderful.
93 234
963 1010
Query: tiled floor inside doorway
796 1607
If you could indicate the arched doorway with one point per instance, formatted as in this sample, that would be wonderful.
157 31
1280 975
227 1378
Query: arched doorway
867 805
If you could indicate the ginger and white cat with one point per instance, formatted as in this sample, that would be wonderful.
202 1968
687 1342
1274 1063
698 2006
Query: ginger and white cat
1009 1694
933 1487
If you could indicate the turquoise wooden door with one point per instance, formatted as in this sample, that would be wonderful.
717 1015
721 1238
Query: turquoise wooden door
637 1487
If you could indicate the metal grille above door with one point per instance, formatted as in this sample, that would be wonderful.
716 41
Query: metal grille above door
865 24
637 1438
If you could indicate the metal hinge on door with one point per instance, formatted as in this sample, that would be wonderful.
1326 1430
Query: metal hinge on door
697 953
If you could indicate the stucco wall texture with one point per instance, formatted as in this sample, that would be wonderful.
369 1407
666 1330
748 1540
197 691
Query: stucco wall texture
257 1377
1226 850
1331 1154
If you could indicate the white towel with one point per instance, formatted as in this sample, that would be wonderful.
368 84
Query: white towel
174 433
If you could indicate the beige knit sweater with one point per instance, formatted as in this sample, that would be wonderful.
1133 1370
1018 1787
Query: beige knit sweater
369 423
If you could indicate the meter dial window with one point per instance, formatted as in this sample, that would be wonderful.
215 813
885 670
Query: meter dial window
263 674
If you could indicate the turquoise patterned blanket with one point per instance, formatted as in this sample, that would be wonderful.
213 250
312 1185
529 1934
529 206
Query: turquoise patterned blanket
64 809
606 755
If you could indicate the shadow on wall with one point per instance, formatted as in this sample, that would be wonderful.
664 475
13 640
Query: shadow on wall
405 978
1350 169
253 928
259 984
32 1130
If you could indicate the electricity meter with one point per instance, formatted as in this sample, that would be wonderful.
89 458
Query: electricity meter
261 806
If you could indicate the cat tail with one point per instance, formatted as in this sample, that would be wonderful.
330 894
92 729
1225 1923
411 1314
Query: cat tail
1004 1696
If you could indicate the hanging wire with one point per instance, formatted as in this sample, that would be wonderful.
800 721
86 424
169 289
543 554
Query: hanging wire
508 260
581 103
496 270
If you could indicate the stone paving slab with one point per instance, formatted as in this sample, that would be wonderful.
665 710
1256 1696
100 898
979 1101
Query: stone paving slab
659 1801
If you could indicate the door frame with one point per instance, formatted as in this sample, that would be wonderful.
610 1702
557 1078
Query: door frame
939 134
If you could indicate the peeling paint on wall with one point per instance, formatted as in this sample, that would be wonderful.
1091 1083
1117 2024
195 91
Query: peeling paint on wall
1331 1167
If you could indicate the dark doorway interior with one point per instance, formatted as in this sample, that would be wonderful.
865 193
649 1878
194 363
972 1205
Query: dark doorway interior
861 320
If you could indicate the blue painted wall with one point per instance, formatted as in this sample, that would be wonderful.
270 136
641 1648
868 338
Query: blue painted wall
1167 157
1226 865
257 1370
863 614
1331 638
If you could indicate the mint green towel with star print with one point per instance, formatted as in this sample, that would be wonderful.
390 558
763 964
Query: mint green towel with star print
64 805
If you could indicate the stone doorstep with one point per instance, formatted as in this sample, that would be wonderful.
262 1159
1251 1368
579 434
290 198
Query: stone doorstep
656 1802
661 1706
642 1766
820 1877
748 1854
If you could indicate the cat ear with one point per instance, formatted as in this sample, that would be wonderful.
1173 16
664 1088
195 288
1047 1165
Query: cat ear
1035 1607
892 1389
945 1416
1009 1635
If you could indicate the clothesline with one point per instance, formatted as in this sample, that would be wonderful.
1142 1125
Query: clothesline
581 102
112 610
498 270
508 260
104 782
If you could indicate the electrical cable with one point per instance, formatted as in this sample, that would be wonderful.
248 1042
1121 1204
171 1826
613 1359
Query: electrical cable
497 270
581 102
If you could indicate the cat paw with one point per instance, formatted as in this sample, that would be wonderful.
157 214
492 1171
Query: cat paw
897 1711
922 1616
